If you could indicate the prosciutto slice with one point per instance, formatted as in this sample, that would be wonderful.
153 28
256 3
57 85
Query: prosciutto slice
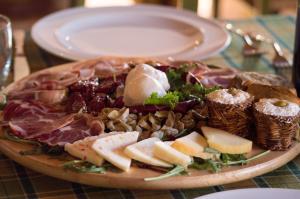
77 130
35 121
210 77
30 119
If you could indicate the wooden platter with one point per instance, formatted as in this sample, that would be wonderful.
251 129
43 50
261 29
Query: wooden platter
133 179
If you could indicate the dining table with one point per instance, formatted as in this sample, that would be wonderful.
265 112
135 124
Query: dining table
17 181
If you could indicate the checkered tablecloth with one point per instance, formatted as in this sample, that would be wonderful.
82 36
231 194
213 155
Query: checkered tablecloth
19 182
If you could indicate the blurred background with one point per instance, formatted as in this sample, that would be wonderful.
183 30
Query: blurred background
25 12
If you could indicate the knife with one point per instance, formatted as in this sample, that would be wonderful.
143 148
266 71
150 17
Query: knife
21 67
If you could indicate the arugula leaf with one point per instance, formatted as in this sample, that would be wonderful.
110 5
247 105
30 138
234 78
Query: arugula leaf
176 76
170 99
225 158
82 166
201 164
9 136
175 171
196 91
245 161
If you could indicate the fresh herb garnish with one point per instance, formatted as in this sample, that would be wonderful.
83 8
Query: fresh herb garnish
225 160
174 172
170 99
9 136
186 92
82 166
245 161
176 76
196 91
212 165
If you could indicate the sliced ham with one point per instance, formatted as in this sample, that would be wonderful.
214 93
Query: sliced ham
77 130
45 96
30 119
51 81
210 77
102 68
36 121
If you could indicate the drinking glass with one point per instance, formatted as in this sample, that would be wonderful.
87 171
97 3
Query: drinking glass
5 49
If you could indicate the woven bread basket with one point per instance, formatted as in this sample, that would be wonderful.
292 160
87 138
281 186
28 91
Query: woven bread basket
275 132
234 118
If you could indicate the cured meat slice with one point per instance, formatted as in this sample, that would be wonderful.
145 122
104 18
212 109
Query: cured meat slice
45 96
102 68
77 130
51 81
30 119
35 121
209 76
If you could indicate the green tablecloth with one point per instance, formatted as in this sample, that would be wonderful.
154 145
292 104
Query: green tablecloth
19 182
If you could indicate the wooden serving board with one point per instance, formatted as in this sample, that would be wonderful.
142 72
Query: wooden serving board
133 179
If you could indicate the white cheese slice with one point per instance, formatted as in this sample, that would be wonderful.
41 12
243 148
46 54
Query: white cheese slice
82 149
143 151
112 148
160 76
226 142
138 90
192 144
165 152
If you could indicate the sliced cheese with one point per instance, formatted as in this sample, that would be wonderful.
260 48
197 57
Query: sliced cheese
112 148
165 152
226 142
82 149
192 144
143 151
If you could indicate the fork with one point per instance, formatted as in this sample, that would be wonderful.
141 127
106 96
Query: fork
279 60
249 49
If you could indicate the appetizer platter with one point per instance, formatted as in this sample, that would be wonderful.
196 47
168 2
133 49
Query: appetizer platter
149 124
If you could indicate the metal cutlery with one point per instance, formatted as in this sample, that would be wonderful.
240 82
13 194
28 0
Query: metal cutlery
279 61
249 49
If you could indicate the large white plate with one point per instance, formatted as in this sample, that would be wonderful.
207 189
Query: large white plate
263 193
133 31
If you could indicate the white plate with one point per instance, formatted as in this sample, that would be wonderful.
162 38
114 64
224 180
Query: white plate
263 193
133 31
